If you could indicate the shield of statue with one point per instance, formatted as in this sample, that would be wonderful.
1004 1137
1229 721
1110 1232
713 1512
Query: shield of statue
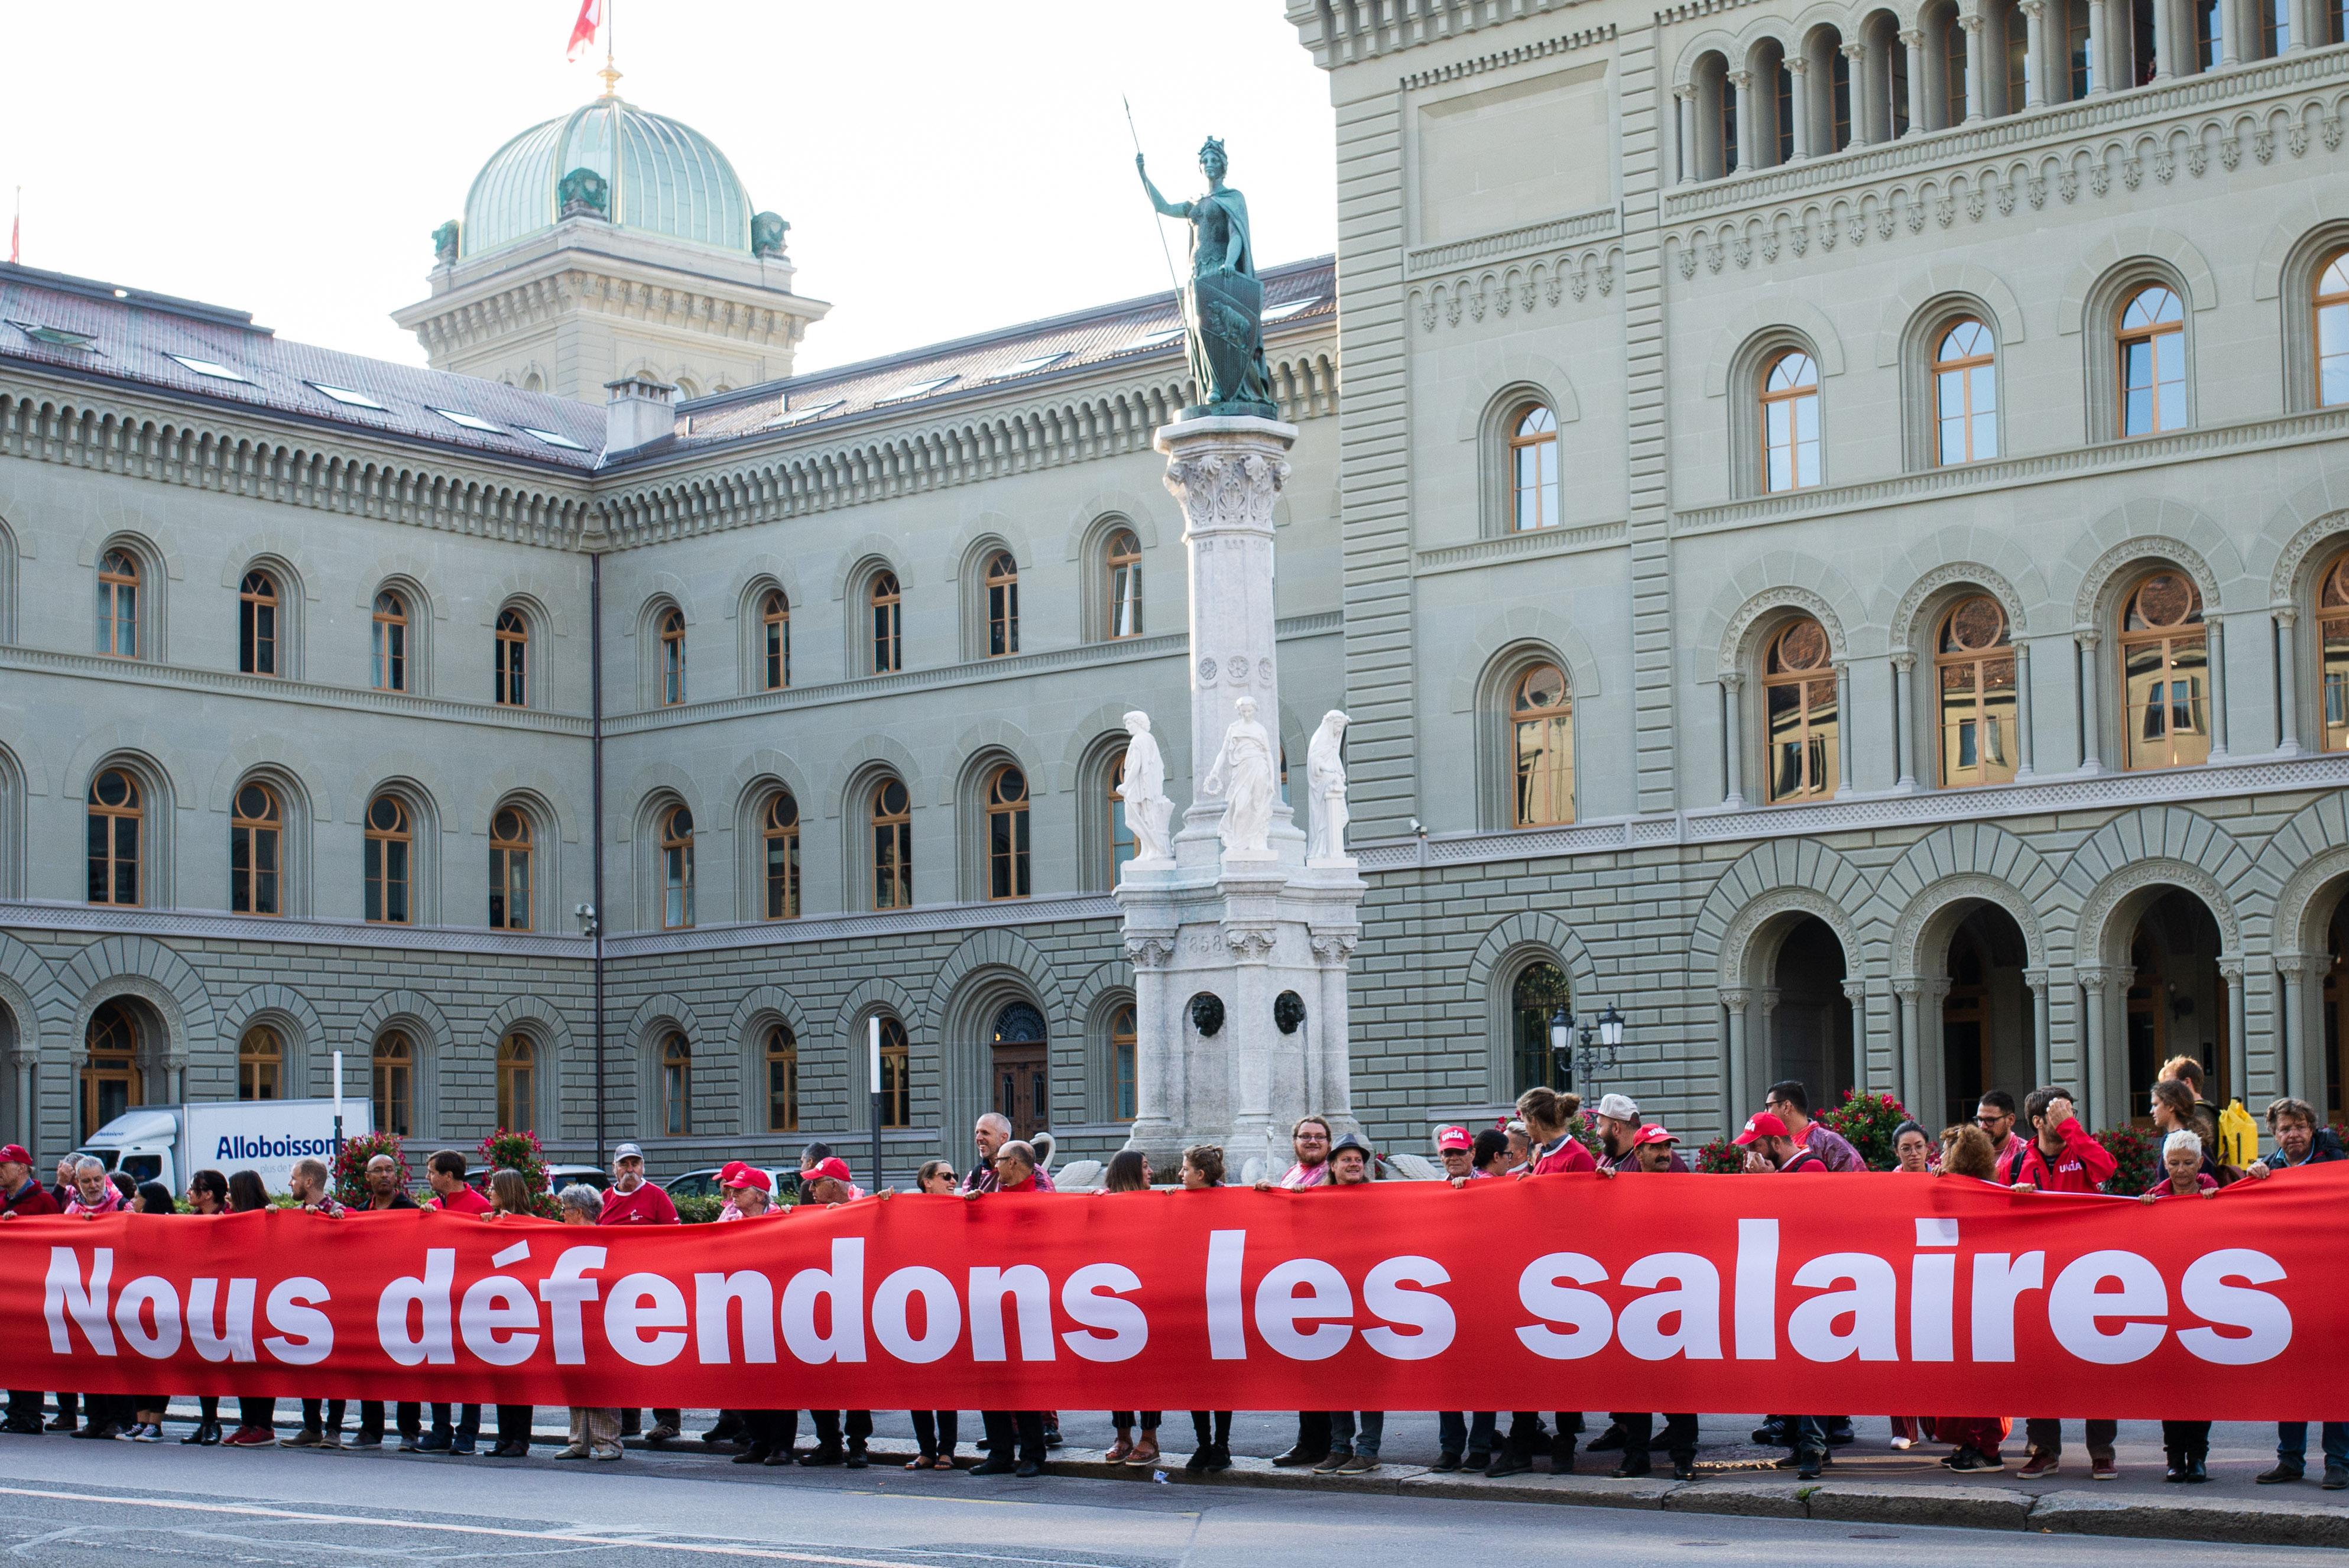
1226 309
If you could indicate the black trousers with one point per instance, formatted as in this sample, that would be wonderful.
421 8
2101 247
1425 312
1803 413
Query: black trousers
2189 1439
1527 1435
69 1407
334 1415
25 1405
468 1421
513 1423
2044 1434
409 1414
765 1431
828 1427
1639 1426
936 1432
1149 1419
1220 1433
262 1413
1313 1431
1004 1426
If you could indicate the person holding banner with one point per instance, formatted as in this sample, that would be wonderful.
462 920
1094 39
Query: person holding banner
1211 1452
445 1173
1354 1435
594 1430
1552 1149
2061 1157
633 1201
314 1194
2299 1141
256 1419
510 1197
21 1193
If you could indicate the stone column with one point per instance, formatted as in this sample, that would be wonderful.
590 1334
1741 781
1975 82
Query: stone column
1733 691
2042 1049
1914 40
2034 48
1799 69
1331 1082
2102 983
1155 1090
1747 119
1862 92
2239 1053
1977 79
2165 40
1855 993
1761 1070
29 1132
2024 727
2091 720
2288 680
1843 723
2216 633
2232 14
1911 989
1689 146
1904 727
1737 1072
2100 73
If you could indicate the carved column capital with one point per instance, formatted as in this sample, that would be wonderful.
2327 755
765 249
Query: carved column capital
1855 992
2287 616
1797 66
1740 79
1858 48
1913 36
1250 943
2035 9
1736 997
1905 661
1225 491
1149 951
1732 681
1334 946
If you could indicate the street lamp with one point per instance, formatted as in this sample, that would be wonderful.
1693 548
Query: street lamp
1592 1042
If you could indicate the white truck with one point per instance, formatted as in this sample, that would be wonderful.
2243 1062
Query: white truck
168 1144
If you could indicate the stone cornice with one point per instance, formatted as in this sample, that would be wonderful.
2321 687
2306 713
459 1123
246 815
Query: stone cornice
1347 34
574 281
862 928
285 932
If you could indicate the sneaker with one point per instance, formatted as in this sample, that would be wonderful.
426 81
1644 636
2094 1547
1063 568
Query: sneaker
1052 1439
1333 1463
1975 1460
614 1452
1956 1460
330 1439
1806 1468
149 1433
252 1437
308 1438
2104 1466
1360 1464
430 1444
2036 1464
2336 1478
461 1445
2282 1472
1902 1445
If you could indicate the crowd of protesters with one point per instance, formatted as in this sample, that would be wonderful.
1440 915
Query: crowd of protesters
2039 1146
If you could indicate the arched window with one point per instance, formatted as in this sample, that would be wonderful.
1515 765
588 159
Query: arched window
677 1087
676 868
1002 604
509 870
893 845
1006 833
672 657
888 627
1541 732
1790 423
394 1068
1798 692
256 625
1974 665
1965 392
111 1082
775 640
1125 564
2332 307
1533 466
1122 845
389 842
1122 1038
779 832
2153 362
1541 989
513 686
260 1065
1022 1068
117 810
2332 641
896 1075
517 1084
389 664
118 604
2164 664
782 1080
256 844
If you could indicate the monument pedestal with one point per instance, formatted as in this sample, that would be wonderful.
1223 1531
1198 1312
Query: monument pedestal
1239 958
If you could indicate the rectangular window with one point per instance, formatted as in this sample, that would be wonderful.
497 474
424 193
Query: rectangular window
2209 33
2080 71
1896 56
783 1090
387 881
896 1080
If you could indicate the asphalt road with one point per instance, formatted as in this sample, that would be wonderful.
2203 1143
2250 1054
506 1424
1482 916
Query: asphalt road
78 1505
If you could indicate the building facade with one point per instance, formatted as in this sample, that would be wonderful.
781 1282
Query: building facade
1828 543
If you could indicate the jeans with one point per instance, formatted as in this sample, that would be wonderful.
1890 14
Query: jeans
2291 1444
2044 1434
1341 1432
938 1431
1456 1431
469 1421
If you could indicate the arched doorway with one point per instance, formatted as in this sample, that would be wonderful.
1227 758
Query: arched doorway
1810 1028
2336 1061
1021 1060
2176 1004
1987 1033
1539 991
112 1080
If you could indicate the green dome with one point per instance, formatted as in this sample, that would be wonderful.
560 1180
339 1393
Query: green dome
665 178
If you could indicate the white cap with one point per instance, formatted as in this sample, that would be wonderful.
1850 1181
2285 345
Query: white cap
1619 1107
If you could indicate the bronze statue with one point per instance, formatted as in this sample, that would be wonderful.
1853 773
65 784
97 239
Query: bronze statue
1225 303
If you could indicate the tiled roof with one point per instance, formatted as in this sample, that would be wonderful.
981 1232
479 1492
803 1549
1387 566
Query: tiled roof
97 330
987 365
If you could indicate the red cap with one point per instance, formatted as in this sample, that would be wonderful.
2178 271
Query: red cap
1449 1138
734 1174
751 1176
1760 1126
14 1155
832 1166
1653 1134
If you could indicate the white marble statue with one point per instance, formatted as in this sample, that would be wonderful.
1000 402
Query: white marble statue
1243 774
1325 787
1142 786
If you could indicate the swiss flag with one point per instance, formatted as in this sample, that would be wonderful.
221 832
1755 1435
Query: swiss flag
583 31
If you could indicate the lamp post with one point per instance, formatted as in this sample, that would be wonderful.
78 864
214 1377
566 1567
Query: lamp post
1592 1041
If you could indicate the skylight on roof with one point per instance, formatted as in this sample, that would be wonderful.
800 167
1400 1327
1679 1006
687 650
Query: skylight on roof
1158 339
55 336
794 416
918 389
471 421
213 368
345 395
1029 366
1294 307
551 438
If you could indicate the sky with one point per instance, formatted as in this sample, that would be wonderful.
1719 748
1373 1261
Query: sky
947 166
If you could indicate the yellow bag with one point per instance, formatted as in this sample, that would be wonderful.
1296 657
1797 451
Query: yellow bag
2238 1136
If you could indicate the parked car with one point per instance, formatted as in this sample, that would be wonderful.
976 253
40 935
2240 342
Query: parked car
703 1183
558 1177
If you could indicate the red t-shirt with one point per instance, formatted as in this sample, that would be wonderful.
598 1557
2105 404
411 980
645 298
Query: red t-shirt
1570 1155
466 1202
647 1205
2081 1166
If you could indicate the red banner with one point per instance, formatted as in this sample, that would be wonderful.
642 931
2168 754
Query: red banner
1883 1293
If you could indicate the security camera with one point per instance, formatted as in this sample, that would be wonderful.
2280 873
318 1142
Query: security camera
1418 827
586 912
